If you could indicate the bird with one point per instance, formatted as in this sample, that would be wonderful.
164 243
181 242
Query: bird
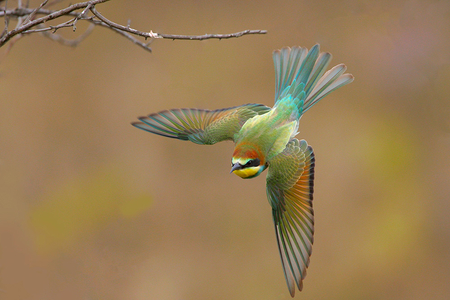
265 139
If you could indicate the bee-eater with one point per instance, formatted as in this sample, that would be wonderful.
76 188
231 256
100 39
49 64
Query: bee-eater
265 139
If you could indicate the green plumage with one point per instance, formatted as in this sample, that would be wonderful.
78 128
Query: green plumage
265 138
271 132
290 193
201 126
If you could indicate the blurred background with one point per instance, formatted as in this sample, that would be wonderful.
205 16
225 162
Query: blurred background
93 208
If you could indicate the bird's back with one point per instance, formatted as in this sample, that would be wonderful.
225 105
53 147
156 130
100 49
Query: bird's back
270 132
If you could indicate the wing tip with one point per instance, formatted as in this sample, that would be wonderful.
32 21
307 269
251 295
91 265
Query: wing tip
137 124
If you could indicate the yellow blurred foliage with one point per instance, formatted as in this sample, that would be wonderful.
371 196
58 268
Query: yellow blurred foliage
391 159
84 205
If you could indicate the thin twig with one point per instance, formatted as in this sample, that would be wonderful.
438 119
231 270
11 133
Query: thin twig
174 36
41 28
5 30
210 36
35 25
33 13
93 22
118 26
53 15
67 42
124 34
83 13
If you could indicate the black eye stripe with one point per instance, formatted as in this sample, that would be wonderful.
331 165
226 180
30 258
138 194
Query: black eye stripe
253 163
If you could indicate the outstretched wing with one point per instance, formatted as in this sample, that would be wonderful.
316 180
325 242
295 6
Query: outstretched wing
290 192
201 126
298 70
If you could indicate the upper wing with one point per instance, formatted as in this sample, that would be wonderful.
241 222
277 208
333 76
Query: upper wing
290 192
201 126
298 70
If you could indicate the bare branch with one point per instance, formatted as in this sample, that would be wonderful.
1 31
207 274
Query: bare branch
66 42
210 36
51 16
33 13
31 24
5 30
120 27
83 13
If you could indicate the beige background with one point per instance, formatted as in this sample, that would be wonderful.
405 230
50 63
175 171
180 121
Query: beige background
93 208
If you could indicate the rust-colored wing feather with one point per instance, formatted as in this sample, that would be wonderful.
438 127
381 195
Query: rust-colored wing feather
290 192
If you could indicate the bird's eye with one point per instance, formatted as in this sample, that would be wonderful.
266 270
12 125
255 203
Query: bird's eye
253 163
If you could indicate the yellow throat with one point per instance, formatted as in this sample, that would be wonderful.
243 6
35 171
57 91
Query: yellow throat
247 172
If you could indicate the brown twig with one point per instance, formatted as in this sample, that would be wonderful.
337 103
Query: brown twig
33 13
210 36
120 27
66 42
31 24
53 15
5 30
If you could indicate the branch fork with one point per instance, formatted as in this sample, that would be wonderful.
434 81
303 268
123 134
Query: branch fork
34 24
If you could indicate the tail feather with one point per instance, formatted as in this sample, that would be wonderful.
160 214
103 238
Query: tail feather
332 80
288 62
319 68
307 65
301 74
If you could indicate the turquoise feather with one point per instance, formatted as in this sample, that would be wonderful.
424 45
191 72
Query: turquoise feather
296 66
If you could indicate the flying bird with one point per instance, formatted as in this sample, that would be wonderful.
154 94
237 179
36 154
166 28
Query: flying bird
264 138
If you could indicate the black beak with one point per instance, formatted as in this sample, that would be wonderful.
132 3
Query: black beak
236 166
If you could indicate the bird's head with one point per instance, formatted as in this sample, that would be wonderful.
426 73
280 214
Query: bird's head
247 162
